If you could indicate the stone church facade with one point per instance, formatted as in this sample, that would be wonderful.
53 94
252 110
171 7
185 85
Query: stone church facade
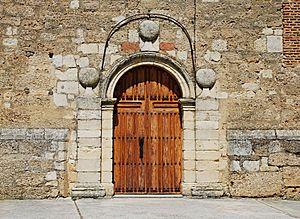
230 106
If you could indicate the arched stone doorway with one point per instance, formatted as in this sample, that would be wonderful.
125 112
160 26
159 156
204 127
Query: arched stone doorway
187 109
147 133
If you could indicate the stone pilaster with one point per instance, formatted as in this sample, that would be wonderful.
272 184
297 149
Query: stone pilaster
88 163
208 152
107 145
188 145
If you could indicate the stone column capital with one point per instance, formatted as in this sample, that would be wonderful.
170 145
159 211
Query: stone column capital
187 104
108 103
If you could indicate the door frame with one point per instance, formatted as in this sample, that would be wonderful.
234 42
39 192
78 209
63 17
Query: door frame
187 108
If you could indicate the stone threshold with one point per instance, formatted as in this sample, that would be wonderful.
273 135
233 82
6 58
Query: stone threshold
148 196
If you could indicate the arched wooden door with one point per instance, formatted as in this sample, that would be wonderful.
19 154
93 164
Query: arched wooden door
147 133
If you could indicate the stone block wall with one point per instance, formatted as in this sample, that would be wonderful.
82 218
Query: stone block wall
264 163
33 163
250 45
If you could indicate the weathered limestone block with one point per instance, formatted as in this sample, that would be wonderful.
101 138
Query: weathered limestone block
88 142
90 48
268 31
251 166
250 86
89 124
208 190
88 190
69 61
208 155
57 60
207 104
10 42
251 134
240 147
88 153
86 133
212 56
91 5
288 134
208 176
207 116
114 58
89 103
13 134
291 176
60 99
74 4
219 45
88 114
67 87
189 176
83 62
260 147
133 36
275 147
182 55
260 45
110 49
207 165
56 134
256 184
88 177
293 193
282 159
88 165
207 134
207 145
278 32
291 146
149 46
264 167
235 166
274 44
59 166
35 134
51 176
69 75
266 73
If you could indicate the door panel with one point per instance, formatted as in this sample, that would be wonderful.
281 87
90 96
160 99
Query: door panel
147 133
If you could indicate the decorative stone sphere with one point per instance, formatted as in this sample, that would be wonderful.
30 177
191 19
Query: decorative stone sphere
206 78
149 31
88 77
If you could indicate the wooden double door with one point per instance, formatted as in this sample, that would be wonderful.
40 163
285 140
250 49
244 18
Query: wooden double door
147 133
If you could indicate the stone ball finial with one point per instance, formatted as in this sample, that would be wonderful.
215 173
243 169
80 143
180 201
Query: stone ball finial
149 31
206 78
89 77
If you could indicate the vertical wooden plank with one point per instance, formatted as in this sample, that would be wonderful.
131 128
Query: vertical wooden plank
122 152
161 134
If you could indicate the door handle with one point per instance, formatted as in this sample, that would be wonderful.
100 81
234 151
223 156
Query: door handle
141 144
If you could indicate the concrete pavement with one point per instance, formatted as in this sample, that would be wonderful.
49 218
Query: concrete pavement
149 208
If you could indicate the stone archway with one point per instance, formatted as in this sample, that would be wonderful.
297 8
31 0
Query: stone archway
149 58
108 102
